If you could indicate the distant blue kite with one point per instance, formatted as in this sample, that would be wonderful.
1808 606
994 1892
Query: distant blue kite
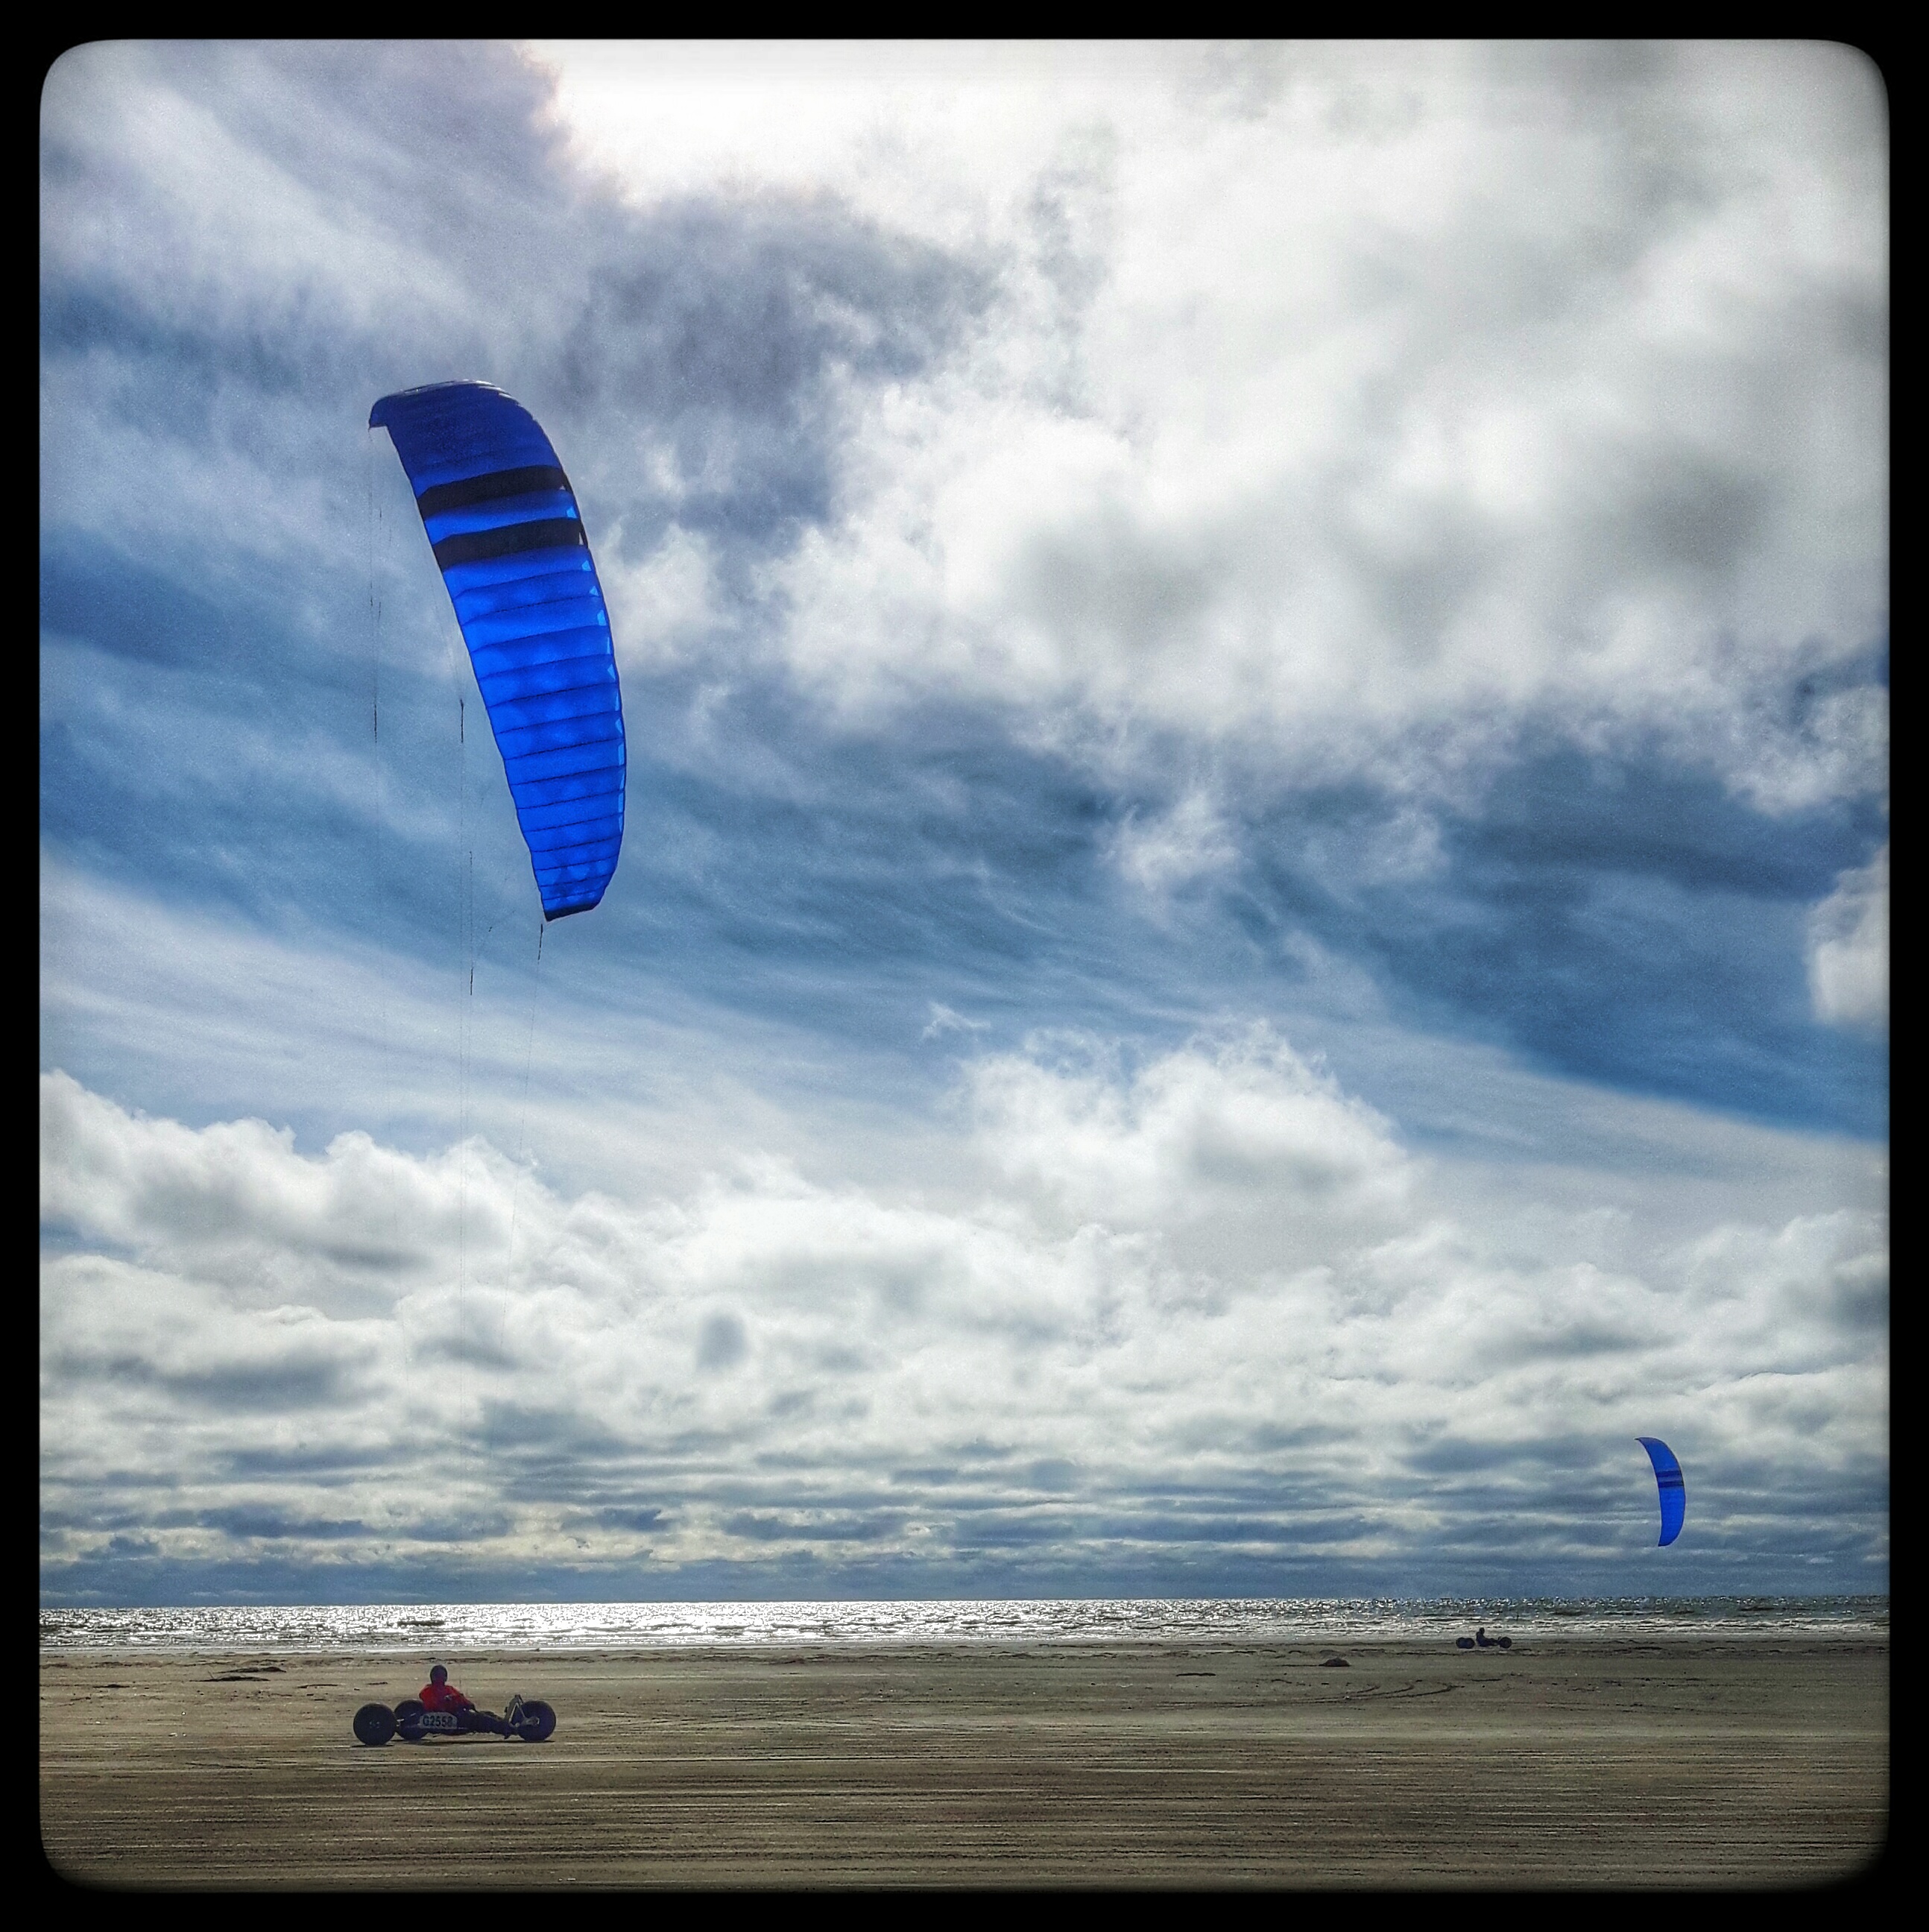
508 537
1668 1480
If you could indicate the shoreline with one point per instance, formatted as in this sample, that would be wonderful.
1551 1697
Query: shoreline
1650 1761
428 1641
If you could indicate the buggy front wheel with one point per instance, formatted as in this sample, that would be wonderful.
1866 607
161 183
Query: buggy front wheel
534 1722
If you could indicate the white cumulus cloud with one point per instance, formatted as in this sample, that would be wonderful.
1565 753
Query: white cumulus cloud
1356 412
1217 1272
1848 948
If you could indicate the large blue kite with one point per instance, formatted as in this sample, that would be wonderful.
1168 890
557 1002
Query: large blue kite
503 522
1671 1483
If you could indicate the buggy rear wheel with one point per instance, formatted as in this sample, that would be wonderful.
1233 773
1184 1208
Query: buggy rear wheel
375 1723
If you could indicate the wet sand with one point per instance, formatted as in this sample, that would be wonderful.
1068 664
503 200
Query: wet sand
1560 1763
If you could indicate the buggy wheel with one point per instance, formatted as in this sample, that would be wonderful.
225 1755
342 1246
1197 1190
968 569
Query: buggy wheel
375 1723
535 1724
408 1714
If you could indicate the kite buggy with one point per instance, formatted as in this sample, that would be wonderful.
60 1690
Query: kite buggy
1480 1640
442 1712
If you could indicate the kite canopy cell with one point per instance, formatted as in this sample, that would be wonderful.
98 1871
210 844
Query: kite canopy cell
508 538
1673 1488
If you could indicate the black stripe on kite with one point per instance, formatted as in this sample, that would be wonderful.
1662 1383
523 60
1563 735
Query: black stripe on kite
479 546
486 489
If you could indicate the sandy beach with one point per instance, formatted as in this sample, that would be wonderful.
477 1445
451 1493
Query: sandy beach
1673 1762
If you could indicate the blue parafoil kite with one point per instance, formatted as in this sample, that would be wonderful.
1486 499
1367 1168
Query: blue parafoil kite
503 522
1668 1479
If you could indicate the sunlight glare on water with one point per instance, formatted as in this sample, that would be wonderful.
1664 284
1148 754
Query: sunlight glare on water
393 1628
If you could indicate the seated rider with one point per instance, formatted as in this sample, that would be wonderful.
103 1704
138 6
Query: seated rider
439 1694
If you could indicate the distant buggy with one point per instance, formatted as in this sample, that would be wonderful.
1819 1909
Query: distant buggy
530 1721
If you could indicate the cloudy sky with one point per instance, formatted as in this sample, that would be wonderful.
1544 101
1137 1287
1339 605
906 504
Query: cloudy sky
1255 921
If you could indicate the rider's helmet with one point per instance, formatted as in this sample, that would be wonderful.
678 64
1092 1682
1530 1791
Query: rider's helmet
439 1675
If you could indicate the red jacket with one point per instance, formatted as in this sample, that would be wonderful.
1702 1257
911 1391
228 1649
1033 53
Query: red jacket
445 1697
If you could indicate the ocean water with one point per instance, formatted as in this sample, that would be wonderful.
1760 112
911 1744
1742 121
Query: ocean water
391 1628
